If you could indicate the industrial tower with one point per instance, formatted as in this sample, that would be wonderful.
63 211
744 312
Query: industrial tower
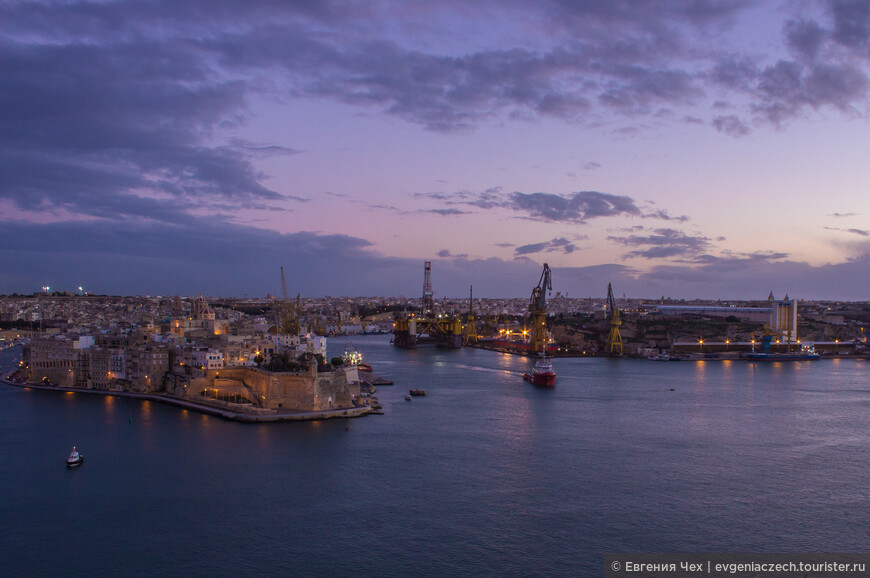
470 328
538 310
614 339
428 296
409 331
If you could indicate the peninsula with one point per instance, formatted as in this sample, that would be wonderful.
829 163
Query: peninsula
233 364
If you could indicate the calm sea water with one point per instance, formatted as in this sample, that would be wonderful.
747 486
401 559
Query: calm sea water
485 475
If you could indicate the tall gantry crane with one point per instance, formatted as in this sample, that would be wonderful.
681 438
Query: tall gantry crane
538 310
288 321
614 339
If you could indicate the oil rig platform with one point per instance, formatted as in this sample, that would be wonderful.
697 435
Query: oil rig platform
428 328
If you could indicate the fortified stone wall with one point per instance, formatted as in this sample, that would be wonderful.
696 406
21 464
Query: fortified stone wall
306 391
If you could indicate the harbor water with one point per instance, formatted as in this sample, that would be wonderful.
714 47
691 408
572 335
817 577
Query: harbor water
485 475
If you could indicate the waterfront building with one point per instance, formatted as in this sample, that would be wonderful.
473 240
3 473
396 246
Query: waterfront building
100 368
783 318
117 363
55 358
145 366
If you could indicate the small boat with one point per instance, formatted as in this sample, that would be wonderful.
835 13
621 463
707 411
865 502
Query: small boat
408 397
363 367
543 373
75 459
418 392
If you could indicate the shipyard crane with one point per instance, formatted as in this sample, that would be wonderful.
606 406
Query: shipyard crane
614 339
287 321
538 310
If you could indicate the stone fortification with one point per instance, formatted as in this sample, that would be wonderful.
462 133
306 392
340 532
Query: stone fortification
308 391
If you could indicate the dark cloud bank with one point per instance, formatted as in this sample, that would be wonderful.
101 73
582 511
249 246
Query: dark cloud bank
222 259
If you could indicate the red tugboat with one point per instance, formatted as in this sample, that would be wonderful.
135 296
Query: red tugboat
543 373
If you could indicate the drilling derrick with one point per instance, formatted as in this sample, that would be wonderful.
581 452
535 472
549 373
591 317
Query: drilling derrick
470 329
538 310
428 296
614 339
409 331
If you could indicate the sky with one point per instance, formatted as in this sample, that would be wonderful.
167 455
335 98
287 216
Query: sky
712 149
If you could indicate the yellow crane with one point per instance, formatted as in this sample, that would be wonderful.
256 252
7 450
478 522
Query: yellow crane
538 310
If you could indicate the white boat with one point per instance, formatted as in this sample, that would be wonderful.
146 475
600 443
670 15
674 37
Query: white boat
75 459
408 397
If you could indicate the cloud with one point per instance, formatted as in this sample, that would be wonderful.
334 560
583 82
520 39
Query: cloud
578 207
663 243
736 72
221 257
820 74
575 207
805 37
381 207
113 108
784 90
324 53
259 150
851 24
444 212
744 277
557 245
859 232
665 216
198 257
100 129
731 125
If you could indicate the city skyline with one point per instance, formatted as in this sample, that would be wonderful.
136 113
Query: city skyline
708 149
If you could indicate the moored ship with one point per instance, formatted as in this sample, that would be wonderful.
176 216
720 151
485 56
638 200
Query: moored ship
803 356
